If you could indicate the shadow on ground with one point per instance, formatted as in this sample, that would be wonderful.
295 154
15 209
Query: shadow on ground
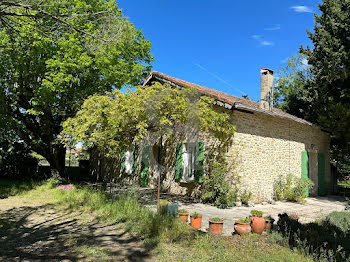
324 240
41 233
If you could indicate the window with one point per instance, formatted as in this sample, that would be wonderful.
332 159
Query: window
189 161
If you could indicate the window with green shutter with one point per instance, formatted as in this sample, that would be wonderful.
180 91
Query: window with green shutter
199 162
144 166
135 159
189 162
178 161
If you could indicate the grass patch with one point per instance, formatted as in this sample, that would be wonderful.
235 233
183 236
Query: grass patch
16 187
231 248
152 227
171 239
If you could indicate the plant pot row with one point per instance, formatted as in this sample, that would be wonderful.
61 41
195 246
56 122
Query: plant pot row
215 224
256 224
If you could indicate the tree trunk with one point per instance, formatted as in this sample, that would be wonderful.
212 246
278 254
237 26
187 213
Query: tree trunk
56 158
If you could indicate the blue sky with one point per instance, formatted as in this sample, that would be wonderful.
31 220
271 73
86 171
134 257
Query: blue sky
222 44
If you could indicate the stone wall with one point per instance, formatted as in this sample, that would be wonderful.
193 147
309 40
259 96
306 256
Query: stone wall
263 148
269 146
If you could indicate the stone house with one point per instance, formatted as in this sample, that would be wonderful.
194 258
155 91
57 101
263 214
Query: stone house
267 143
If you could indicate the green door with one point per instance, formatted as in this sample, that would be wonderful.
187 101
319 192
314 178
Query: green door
321 175
305 167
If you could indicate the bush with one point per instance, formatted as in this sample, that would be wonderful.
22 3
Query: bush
245 196
216 190
339 219
292 188
276 238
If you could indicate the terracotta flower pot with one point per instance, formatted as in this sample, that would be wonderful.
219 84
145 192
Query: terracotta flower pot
196 222
242 228
268 225
258 224
183 217
215 227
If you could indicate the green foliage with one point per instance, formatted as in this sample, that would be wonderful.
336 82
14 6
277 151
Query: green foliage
339 219
323 241
162 206
291 188
207 248
45 76
328 91
16 187
195 215
16 161
216 188
276 238
154 227
183 211
344 184
216 219
115 122
244 220
292 80
245 196
255 212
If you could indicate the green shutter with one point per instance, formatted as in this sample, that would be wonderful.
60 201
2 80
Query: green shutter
123 162
321 175
305 167
144 166
178 163
134 160
198 175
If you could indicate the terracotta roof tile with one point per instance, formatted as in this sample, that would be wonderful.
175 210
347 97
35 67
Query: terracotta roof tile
226 98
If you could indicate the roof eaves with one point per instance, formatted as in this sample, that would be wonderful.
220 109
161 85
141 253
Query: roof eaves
271 113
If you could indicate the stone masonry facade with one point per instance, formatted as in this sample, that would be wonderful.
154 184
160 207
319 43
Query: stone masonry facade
264 147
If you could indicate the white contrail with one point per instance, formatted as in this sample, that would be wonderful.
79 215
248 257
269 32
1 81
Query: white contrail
218 78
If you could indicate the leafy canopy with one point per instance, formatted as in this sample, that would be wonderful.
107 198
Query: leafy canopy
114 122
47 69
329 91
292 82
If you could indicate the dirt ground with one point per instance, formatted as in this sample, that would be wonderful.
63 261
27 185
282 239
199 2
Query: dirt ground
37 232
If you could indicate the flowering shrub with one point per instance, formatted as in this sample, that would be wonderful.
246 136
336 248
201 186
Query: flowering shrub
66 187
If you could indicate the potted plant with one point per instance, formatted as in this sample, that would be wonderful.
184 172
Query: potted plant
242 226
183 215
257 221
196 220
269 223
215 225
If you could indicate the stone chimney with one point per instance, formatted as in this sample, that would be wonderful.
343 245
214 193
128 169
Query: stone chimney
266 89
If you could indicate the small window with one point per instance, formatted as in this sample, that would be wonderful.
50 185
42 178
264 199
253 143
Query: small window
189 162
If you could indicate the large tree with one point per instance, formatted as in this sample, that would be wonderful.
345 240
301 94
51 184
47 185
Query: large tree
292 81
329 91
47 69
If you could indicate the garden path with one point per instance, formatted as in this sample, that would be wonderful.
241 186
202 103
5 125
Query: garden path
40 232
